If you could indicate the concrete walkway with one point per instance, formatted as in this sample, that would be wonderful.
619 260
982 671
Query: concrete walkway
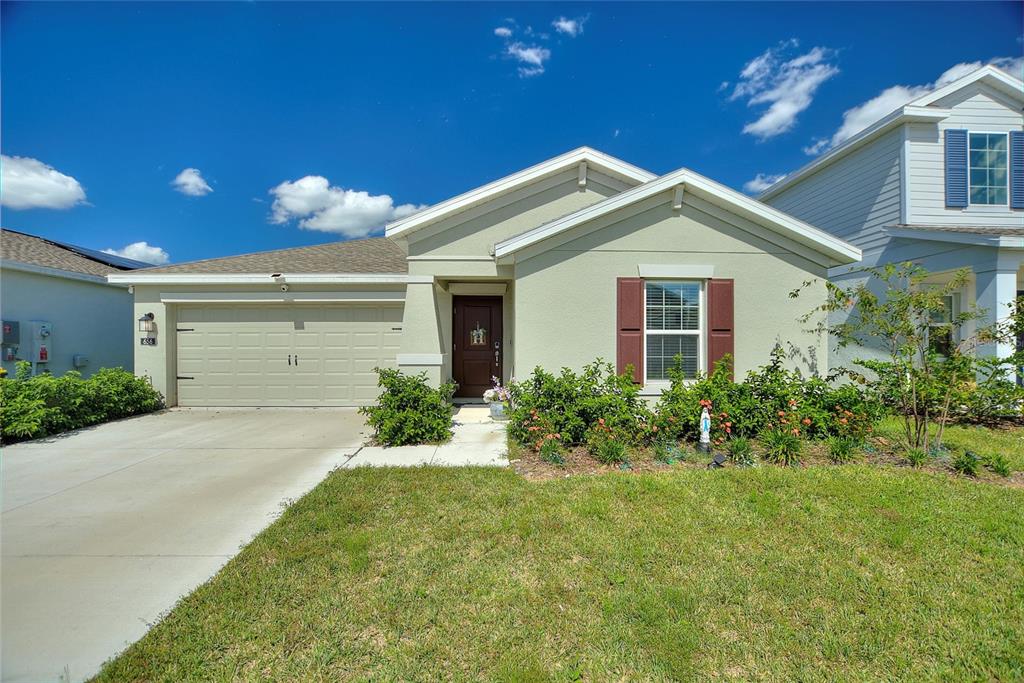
104 529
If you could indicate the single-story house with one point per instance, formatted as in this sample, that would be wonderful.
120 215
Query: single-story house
583 256
59 311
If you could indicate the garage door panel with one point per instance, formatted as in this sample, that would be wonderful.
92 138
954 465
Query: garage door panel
239 355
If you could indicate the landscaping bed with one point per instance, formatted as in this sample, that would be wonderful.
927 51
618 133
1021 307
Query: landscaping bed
813 574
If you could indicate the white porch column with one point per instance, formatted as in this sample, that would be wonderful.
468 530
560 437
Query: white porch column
996 287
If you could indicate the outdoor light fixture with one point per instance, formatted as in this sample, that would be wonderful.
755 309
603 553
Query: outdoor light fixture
146 323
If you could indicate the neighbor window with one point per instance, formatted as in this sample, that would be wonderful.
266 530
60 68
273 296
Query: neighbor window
672 315
940 327
987 158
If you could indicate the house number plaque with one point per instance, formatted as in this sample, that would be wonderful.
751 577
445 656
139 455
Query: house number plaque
148 341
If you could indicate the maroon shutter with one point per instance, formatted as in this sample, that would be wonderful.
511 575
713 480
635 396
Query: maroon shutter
630 326
720 321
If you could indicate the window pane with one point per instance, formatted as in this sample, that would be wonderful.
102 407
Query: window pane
979 195
997 142
988 168
662 353
673 305
997 195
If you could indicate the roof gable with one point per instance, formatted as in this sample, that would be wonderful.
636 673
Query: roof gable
993 76
616 168
822 247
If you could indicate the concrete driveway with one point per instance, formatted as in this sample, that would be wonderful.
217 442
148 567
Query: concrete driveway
103 530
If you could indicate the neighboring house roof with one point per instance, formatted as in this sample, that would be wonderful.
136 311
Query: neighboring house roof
961 234
38 252
609 165
824 248
920 110
374 255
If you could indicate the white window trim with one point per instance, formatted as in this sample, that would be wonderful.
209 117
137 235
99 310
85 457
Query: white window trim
661 384
987 132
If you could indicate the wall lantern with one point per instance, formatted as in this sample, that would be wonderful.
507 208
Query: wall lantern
146 323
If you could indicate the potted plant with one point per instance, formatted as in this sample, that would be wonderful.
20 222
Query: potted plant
497 398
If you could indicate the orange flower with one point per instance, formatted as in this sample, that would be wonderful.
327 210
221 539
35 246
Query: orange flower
842 420
795 430
728 424
806 420
792 401
600 420
728 430
782 413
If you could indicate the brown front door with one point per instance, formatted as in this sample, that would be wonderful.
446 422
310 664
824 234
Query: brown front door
476 344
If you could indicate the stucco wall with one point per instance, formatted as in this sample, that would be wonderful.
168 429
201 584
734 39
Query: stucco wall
566 296
88 318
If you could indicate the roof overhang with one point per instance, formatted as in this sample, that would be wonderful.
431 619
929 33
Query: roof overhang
1001 241
594 159
907 114
6 264
990 75
140 278
830 250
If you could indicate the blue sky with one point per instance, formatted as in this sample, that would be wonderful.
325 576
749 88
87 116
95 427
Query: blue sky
290 124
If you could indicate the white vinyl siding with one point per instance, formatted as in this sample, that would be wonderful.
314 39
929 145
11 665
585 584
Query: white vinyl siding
284 355
854 198
977 109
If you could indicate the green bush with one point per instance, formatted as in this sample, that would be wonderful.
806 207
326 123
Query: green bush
781 446
916 457
606 445
409 411
741 452
551 451
33 407
667 450
998 463
966 463
842 449
569 403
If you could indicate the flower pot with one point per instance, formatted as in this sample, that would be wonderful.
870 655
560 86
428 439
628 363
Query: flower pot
498 410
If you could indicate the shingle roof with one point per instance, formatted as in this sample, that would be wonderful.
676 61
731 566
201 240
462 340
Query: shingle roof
966 229
371 255
37 251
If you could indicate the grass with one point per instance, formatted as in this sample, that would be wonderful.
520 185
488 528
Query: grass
983 440
827 573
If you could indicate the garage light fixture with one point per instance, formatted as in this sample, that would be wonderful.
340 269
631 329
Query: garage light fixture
146 323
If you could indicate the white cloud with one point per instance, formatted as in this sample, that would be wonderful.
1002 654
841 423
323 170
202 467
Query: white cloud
570 27
191 182
760 183
320 206
27 183
892 98
503 32
142 251
786 84
530 57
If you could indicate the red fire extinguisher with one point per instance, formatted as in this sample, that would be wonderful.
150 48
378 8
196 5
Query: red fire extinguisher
43 355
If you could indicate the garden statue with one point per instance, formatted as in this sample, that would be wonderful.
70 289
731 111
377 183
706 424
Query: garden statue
705 430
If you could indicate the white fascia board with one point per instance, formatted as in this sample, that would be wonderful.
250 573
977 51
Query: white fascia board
595 159
358 297
6 264
907 114
994 76
832 247
977 239
259 278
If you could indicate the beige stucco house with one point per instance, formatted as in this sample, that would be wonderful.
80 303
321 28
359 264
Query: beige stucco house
580 257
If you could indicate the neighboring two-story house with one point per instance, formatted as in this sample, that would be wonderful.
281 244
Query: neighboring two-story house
939 181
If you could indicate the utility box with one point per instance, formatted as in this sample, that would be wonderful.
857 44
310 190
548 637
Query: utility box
79 360
40 348
12 333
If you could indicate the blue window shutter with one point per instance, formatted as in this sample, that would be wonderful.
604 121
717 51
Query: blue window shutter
1017 169
956 168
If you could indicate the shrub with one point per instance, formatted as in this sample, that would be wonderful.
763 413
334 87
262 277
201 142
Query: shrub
740 451
966 463
732 406
409 411
782 446
551 451
605 444
841 449
33 407
998 463
570 403
917 457
667 450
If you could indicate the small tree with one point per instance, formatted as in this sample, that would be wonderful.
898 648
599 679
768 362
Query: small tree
919 380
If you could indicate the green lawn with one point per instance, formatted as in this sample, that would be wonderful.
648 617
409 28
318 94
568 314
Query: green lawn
983 440
828 573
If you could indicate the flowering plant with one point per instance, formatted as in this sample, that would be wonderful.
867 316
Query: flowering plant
497 393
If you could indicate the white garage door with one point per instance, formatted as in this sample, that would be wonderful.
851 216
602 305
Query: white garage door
284 355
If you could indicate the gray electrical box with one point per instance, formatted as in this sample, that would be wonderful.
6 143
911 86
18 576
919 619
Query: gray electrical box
79 361
12 333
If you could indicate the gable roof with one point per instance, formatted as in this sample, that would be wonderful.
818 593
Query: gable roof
370 255
830 249
30 250
920 110
616 168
